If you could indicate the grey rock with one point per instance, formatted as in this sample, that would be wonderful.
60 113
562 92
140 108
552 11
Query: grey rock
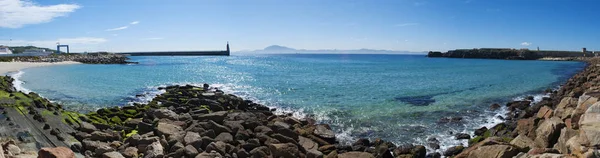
112 154
224 137
167 129
164 113
324 131
87 127
154 150
191 151
130 152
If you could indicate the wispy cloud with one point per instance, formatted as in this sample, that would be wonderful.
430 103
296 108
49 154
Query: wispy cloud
525 44
135 22
118 28
419 3
152 38
17 13
406 24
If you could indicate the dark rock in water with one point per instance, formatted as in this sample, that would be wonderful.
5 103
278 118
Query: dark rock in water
450 119
362 141
480 131
530 98
462 136
434 155
494 106
521 105
454 150
417 100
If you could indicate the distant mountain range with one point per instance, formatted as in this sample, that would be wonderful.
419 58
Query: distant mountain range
277 49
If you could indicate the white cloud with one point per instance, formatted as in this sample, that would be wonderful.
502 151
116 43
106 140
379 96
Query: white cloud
525 44
406 24
153 38
118 28
135 22
17 13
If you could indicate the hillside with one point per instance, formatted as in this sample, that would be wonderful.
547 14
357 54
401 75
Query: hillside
21 49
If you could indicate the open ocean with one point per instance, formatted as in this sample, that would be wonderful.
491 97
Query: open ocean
399 98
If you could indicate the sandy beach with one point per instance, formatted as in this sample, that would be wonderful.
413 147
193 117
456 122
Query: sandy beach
6 67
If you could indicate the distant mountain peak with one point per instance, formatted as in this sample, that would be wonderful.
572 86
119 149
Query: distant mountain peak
278 48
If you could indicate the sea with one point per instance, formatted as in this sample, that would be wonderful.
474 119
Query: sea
399 98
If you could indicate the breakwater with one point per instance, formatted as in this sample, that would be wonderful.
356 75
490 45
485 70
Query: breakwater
88 58
513 54
565 124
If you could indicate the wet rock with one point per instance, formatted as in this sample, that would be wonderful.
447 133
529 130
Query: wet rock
113 154
462 136
453 150
480 131
518 105
242 135
324 131
494 106
164 113
434 155
287 150
284 139
57 152
132 123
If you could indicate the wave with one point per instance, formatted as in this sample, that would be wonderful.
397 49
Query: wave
17 83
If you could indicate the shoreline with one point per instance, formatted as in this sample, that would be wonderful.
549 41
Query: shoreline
9 67
367 148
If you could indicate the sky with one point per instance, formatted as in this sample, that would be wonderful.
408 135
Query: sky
402 25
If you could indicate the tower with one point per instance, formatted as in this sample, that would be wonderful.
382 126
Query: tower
228 51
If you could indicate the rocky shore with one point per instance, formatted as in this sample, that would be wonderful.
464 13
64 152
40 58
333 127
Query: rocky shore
566 124
186 121
89 58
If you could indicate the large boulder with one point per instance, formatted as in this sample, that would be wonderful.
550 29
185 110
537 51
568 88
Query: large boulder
589 125
215 116
324 131
154 150
308 144
566 106
527 126
523 142
58 152
497 151
565 135
164 113
548 132
287 150
167 129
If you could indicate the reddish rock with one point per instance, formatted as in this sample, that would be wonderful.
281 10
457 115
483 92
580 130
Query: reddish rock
58 152
526 127
568 123
544 112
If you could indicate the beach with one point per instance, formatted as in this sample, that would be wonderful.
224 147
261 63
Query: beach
6 67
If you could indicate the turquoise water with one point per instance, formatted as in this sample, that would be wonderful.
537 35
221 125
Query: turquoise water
395 97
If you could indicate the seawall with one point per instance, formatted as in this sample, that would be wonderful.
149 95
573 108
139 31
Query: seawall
513 54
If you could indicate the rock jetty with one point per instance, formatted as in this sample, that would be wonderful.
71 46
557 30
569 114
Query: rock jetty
89 58
186 121
566 124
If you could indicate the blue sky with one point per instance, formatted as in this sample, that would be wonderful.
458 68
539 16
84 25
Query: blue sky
410 25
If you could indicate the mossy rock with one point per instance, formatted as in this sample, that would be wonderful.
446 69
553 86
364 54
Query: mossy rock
475 140
116 120
131 111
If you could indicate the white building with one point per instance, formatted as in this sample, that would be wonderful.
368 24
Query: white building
5 50
34 51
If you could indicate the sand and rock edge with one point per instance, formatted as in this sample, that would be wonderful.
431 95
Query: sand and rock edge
189 121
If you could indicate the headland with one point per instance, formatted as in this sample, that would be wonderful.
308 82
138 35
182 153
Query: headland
512 54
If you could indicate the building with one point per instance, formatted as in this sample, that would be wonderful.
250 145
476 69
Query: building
34 51
5 50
